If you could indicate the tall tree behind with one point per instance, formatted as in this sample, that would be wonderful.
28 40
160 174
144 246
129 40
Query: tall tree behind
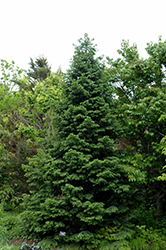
39 70
140 87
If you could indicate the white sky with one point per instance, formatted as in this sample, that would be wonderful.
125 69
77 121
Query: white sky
30 28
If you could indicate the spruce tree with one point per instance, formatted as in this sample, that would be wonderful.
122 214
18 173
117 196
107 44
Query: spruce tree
39 70
79 183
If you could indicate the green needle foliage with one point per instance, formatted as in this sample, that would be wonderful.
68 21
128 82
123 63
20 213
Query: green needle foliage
79 183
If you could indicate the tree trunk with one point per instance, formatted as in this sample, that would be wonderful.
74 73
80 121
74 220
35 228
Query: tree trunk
159 203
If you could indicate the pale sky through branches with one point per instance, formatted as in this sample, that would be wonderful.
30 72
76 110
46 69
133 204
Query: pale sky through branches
31 28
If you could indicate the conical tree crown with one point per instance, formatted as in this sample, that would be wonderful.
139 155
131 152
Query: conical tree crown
87 93
84 62
39 70
85 73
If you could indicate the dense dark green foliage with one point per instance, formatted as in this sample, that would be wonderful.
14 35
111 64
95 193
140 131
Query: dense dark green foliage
79 184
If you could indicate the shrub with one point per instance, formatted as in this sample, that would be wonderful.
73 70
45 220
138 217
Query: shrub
48 243
10 226
4 246
26 246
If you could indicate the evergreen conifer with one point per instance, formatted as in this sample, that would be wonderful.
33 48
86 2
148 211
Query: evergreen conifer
79 183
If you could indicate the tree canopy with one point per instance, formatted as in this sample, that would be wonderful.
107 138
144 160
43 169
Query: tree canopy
84 151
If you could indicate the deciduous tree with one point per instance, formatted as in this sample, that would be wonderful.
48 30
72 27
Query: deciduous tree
140 88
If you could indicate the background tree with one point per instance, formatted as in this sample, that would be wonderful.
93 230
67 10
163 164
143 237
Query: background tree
10 102
38 72
25 118
140 87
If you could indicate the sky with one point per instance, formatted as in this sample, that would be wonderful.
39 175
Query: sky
49 28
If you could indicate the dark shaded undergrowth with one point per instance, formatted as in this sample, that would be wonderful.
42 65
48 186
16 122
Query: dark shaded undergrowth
140 237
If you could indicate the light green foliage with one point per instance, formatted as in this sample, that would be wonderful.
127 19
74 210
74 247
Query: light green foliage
38 107
162 177
4 246
26 105
11 226
49 92
10 101
10 72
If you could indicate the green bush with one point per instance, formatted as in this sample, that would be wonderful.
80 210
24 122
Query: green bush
3 234
141 238
48 243
85 239
4 246
26 246
150 239
10 226
115 238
